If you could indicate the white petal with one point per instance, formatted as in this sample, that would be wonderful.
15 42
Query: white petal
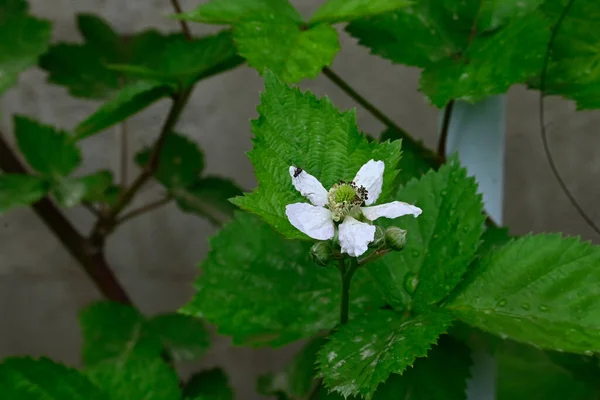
309 187
355 236
315 221
394 209
370 176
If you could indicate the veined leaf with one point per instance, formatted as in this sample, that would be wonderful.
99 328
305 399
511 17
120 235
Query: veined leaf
20 190
185 336
348 10
212 384
236 11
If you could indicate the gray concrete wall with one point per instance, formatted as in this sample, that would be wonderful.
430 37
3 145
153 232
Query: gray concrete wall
42 287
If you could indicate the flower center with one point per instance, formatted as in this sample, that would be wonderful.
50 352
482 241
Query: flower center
344 199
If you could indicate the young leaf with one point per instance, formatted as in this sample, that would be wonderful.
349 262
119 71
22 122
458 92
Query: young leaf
268 291
49 151
236 11
362 354
180 162
184 336
126 102
468 50
93 188
29 38
30 379
20 190
209 198
212 384
113 332
136 378
334 11
539 289
296 128
440 243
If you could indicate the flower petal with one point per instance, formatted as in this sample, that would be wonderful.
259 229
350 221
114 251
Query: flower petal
370 176
309 186
394 209
315 221
355 236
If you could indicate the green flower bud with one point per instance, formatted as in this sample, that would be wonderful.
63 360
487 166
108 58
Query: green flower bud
379 238
321 253
395 238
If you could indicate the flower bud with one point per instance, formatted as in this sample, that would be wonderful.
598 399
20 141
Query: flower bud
321 253
395 238
379 237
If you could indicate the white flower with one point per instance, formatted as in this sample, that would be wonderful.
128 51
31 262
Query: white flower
344 204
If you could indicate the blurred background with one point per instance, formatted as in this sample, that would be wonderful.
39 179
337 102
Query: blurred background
156 256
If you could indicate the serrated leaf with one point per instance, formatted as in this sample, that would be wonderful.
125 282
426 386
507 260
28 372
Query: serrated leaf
126 102
334 11
415 161
296 128
235 11
298 377
363 353
113 332
268 291
49 151
492 238
441 243
448 363
185 336
469 50
180 162
43 379
136 378
283 47
20 190
93 188
212 384
539 289
29 38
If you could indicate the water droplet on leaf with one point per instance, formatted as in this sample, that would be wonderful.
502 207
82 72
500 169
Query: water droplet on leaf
501 303
410 282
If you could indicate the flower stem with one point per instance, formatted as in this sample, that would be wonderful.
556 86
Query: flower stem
346 273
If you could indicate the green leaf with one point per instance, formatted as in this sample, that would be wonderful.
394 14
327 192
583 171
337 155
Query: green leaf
362 354
296 128
49 151
283 47
212 384
573 71
20 190
468 50
525 373
415 161
93 188
209 198
126 102
492 238
334 11
184 336
448 363
441 242
136 378
43 379
298 377
113 332
539 289
29 38
180 162
236 11
268 291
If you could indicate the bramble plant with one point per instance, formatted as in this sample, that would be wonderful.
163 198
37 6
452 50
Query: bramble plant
377 253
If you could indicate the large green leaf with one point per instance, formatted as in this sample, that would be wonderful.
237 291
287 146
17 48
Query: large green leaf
262 289
20 190
362 354
441 243
236 11
296 128
43 379
24 39
212 384
348 10
49 151
114 332
184 336
123 104
540 289
469 50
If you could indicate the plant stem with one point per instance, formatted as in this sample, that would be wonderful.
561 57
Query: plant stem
346 274
373 256
443 139
144 209
184 26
